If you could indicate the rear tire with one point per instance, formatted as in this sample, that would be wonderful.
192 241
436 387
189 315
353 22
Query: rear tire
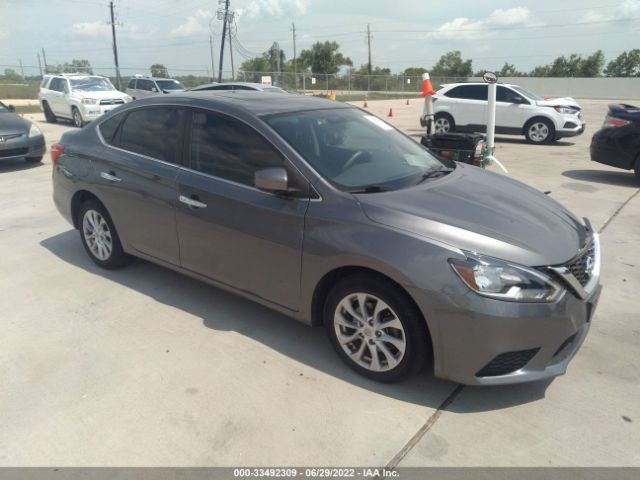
48 114
389 326
539 131
637 170
99 236
444 123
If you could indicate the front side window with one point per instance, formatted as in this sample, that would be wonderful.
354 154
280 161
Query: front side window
355 150
505 94
91 84
145 85
227 148
132 83
57 84
528 93
154 132
170 85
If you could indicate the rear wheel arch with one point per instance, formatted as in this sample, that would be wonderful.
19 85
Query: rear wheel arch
78 199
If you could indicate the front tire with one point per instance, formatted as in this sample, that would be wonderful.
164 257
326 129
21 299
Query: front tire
539 131
77 117
48 113
99 236
376 329
443 123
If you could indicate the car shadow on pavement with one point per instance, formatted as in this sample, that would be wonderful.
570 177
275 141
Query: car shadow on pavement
16 165
225 311
619 178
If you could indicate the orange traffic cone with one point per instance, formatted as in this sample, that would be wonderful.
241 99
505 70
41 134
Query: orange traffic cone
390 112
365 105
427 89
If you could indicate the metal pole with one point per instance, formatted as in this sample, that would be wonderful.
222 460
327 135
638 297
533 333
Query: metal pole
491 117
115 44
22 71
44 59
295 66
224 34
213 72
233 73
39 64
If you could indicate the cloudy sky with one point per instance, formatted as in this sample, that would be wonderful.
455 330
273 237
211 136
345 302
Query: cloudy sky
405 33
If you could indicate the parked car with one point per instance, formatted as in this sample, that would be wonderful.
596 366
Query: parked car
79 98
142 87
257 87
617 143
19 137
328 214
462 107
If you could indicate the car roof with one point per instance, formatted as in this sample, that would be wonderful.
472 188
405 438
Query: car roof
450 85
264 104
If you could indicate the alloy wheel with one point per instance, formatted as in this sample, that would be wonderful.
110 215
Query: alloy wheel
77 119
442 125
97 235
538 132
369 332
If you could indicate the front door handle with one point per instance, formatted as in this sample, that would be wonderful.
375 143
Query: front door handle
110 176
192 202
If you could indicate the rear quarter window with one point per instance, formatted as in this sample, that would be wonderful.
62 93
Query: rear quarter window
109 128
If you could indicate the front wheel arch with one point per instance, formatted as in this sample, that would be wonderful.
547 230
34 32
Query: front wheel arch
540 118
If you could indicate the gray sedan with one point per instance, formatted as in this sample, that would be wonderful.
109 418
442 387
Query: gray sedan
330 215
19 138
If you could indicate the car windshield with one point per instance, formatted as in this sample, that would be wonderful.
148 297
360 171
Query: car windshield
169 85
357 151
527 93
91 84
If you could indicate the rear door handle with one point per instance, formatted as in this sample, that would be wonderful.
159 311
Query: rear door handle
192 202
110 176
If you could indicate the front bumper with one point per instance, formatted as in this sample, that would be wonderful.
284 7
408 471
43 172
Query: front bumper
92 112
569 125
22 147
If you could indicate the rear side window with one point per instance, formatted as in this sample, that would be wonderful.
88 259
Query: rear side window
109 128
468 92
227 148
155 132
132 83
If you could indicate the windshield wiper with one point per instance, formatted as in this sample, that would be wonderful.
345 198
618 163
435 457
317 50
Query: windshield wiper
441 172
371 189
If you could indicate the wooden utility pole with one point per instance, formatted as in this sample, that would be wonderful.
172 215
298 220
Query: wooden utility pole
115 44
44 60
295 67
213 71
369 62
224 34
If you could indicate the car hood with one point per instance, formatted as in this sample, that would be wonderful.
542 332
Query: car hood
100 94
558 102
12 123
483 212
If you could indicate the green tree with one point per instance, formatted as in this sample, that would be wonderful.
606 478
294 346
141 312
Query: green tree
12 75
324 57
76 65
572 66
414 71
508 70
159 70
451 64
258 64
627 64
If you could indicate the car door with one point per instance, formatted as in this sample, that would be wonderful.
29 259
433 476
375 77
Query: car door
469 106
144 88
136 177
56 97
229 230
511 110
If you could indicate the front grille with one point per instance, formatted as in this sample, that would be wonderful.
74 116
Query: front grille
581 267
13 152
507 363
112 101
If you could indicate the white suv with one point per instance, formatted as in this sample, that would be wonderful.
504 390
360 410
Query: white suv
142 87
79 98
462 107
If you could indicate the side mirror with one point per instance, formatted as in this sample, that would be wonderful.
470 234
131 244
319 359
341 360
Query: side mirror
11 108
272 179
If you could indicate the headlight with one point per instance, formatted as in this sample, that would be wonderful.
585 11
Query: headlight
505 281
34 131
128 99
569 110
90 101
